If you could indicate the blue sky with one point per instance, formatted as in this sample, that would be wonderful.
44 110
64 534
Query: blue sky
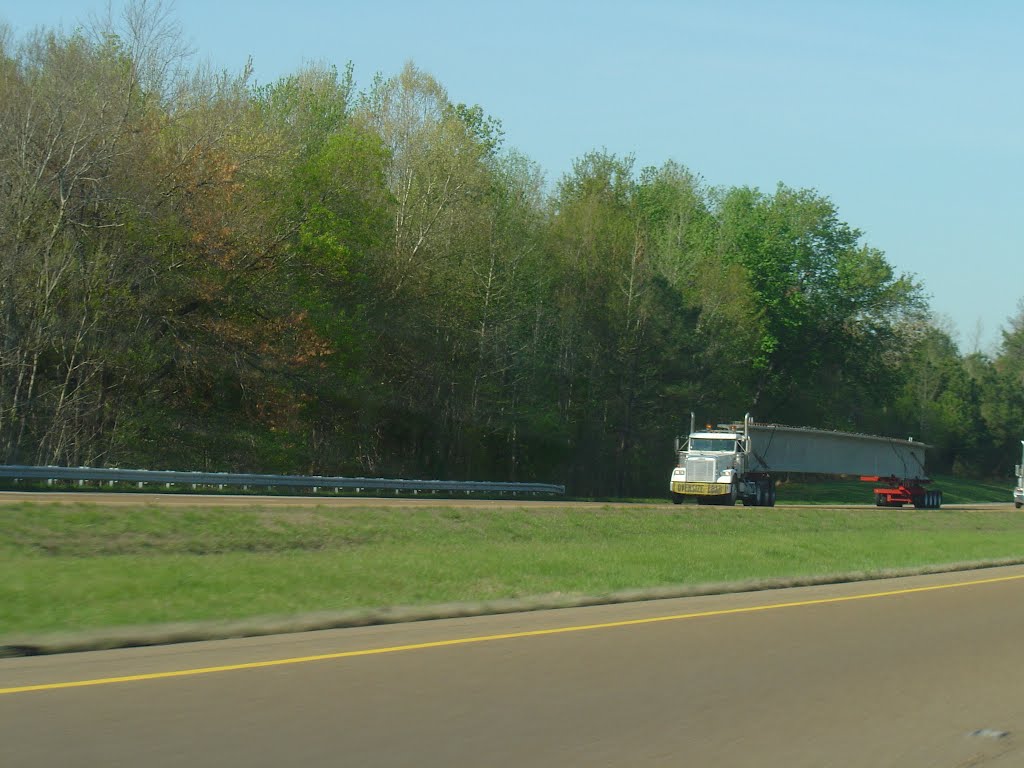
907 115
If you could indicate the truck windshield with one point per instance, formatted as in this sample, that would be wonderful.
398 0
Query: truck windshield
723 444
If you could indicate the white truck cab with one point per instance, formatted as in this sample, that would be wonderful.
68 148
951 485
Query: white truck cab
713 468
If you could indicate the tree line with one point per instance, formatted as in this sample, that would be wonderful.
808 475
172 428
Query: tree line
197 272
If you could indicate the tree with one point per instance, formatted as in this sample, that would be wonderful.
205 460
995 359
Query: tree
940 401
831 309
332 211
69 139
710 319
1002 385
438 277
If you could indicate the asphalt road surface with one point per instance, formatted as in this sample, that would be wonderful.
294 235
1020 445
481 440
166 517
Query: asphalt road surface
920 671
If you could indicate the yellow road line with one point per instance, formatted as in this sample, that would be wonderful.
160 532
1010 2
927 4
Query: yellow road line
489 638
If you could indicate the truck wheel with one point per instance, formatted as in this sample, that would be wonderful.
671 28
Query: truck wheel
677 498
759 499
1018 504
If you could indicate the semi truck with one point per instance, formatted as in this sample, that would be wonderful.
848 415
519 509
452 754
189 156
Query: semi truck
1018 492
741 461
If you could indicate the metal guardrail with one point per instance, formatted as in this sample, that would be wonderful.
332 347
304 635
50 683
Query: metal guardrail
221 479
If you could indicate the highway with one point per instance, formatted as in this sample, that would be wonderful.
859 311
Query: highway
917 671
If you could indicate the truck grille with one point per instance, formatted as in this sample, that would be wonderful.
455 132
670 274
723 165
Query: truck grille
701 470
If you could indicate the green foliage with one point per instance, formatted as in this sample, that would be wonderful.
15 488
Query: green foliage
940 402
308 277
831 309
1002 407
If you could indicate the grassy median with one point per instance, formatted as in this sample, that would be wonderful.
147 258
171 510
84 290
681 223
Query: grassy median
69 567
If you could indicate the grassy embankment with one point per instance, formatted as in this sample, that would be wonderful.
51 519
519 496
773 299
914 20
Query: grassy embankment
85 566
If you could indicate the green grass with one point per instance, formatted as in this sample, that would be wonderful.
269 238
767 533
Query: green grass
84 566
